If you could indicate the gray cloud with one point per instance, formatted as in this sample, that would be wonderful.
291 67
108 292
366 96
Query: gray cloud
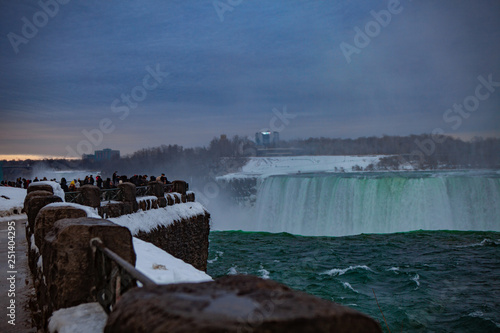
225 77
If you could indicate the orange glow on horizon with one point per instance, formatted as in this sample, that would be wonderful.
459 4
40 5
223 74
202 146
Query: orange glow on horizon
22 157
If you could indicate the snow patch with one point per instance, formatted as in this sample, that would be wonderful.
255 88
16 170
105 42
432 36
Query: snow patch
91 212
39 264
262 167
149 197
33 245
83 318
150 219
11 200
56 188
162 267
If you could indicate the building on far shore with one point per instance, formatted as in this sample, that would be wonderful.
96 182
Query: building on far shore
102 155
266 138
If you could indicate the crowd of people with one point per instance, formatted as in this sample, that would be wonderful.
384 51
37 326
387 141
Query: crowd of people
108 183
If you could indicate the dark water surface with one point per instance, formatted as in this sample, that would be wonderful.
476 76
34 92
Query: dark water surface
425 281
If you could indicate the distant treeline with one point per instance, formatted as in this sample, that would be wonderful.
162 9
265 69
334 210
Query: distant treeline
425 151
224 155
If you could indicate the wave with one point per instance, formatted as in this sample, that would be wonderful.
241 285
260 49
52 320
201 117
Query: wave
484 242
264 273
339 271
347 285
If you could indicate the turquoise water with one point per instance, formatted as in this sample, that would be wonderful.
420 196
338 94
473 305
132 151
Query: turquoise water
425 281
368 238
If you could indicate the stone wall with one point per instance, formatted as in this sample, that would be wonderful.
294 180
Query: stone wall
185 239
233 304
60 256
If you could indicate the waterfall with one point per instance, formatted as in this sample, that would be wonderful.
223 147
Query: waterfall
337 205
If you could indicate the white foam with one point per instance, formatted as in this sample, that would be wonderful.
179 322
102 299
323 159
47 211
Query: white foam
264 273
232 271
484 242
347 285
416 279
340 271
394 269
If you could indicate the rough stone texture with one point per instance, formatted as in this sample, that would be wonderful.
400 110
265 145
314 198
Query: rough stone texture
162 202
174 198
185 239
47 216
111 210
34 206
68 259
157 189
35 194
44 221
91 196
147 204
128 194
179 186
190 197
39 187
232 304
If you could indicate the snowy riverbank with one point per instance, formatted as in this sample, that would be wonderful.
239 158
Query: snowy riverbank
261 167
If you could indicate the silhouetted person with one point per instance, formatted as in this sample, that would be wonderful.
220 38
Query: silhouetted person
98 181
64 185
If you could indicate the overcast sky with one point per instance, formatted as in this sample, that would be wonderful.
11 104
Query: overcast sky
100 67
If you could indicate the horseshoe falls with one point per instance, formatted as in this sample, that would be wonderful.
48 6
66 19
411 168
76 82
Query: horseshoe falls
350 204
427 243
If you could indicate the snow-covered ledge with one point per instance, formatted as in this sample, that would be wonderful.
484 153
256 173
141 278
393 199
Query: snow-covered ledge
181 230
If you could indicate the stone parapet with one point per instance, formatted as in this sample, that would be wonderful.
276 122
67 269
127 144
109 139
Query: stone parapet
233 304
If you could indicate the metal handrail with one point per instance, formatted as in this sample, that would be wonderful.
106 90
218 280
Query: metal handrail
108 194
115 276
72 196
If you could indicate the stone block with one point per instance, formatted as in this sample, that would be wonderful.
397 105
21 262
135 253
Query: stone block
154 204
170 199
190 197
177 198
68 259
39 187
35 194
128 192
157 189
162 202
90 196
129 195
34 205
232 304
179 186
47 216
44 222
114 209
